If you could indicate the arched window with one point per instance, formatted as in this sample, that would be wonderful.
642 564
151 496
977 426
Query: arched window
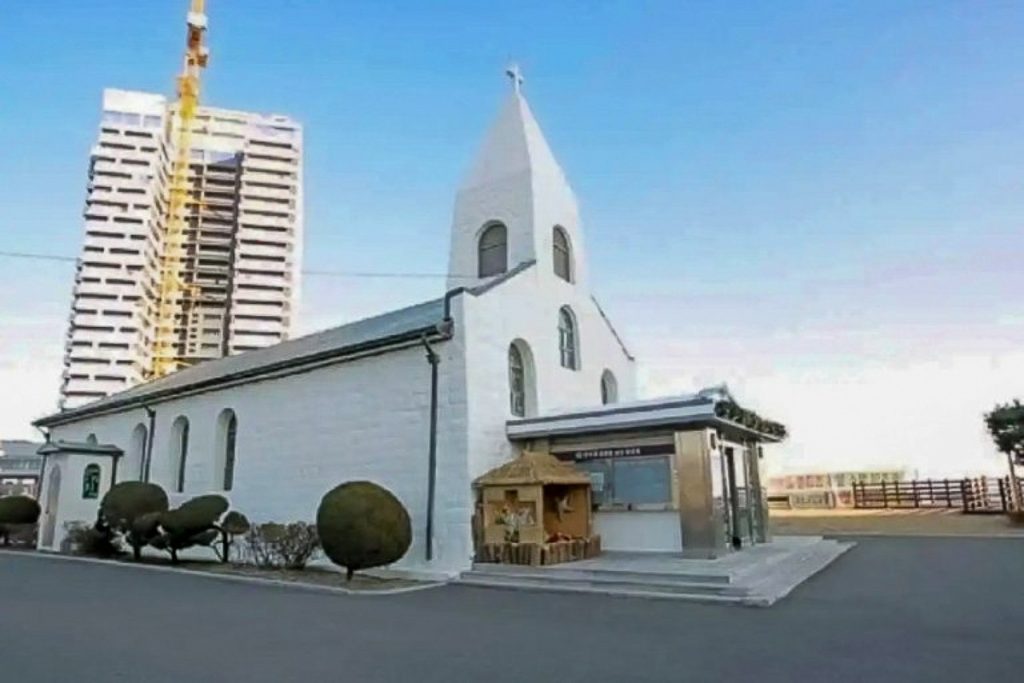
179 452
561 253
568 339
227 435
522 390
134 464
516 382
91 481
492 256
609 388
92 440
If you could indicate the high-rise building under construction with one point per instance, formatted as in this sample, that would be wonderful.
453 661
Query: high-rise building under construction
241 242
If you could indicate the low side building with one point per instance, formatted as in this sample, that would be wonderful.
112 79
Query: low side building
20 467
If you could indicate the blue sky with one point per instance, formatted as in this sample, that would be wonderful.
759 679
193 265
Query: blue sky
818 202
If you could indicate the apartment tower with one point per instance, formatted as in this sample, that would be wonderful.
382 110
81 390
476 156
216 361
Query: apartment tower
243 241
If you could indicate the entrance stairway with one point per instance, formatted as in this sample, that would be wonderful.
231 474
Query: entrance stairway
758 576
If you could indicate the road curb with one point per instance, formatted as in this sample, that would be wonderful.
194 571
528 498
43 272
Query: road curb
887 534
308 587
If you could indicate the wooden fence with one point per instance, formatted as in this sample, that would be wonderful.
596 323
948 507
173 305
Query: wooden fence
978 495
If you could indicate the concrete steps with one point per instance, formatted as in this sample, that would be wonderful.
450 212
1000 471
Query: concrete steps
761 583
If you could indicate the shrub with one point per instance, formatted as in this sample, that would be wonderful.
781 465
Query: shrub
16 513
92 540
191 524
363 525
233 524
277 546
124 506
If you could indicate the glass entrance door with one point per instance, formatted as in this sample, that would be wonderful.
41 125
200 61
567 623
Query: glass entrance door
739 528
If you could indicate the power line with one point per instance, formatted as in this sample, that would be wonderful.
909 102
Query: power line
315 272
36 257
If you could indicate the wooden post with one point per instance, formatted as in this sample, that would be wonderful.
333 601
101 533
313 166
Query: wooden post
885 495
964 494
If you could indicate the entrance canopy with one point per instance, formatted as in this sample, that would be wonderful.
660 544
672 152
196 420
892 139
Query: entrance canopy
79 448
709 408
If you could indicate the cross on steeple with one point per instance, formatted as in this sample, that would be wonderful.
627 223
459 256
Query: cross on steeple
516 76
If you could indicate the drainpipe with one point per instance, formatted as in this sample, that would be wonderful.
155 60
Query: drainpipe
445 328
434 361
149 442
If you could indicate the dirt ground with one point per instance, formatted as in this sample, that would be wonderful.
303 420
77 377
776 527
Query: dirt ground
891 522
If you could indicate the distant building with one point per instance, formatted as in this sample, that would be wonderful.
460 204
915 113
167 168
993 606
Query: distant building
243 241
20 468
825 489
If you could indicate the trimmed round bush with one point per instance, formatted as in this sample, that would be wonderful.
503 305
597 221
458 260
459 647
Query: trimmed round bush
131 508
19 510
129 500
235 523
197 514
363 525
16 512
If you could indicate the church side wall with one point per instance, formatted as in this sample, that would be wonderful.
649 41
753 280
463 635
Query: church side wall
299 436
526 307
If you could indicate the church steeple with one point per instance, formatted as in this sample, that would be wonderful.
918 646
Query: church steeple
515 143
516 182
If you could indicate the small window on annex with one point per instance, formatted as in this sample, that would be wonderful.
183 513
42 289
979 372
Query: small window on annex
492 250
561 253
91 481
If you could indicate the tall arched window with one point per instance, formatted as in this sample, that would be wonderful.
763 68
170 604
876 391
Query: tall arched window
568 339
92 440
227 435
516 382
179 452
134 464
522 388
492 250
609 388
561 253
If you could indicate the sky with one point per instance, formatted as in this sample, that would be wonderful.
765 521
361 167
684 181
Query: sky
818 203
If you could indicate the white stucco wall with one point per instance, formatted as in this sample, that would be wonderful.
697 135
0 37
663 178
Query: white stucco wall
526 307
299 436
639 531
71 506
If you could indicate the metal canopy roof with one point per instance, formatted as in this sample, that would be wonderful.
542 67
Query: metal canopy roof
692 411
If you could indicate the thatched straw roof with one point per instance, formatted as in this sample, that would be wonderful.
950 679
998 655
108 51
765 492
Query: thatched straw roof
533 468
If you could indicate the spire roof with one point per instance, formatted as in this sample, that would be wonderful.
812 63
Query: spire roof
515 143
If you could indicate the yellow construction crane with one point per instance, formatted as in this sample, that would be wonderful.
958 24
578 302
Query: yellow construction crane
166 353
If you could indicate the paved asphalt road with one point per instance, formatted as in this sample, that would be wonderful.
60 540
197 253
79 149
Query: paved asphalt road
903 610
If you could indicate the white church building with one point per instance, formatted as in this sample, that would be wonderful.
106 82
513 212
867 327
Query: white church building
516 354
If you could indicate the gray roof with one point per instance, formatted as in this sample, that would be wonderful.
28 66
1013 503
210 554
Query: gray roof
368 333
82 447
